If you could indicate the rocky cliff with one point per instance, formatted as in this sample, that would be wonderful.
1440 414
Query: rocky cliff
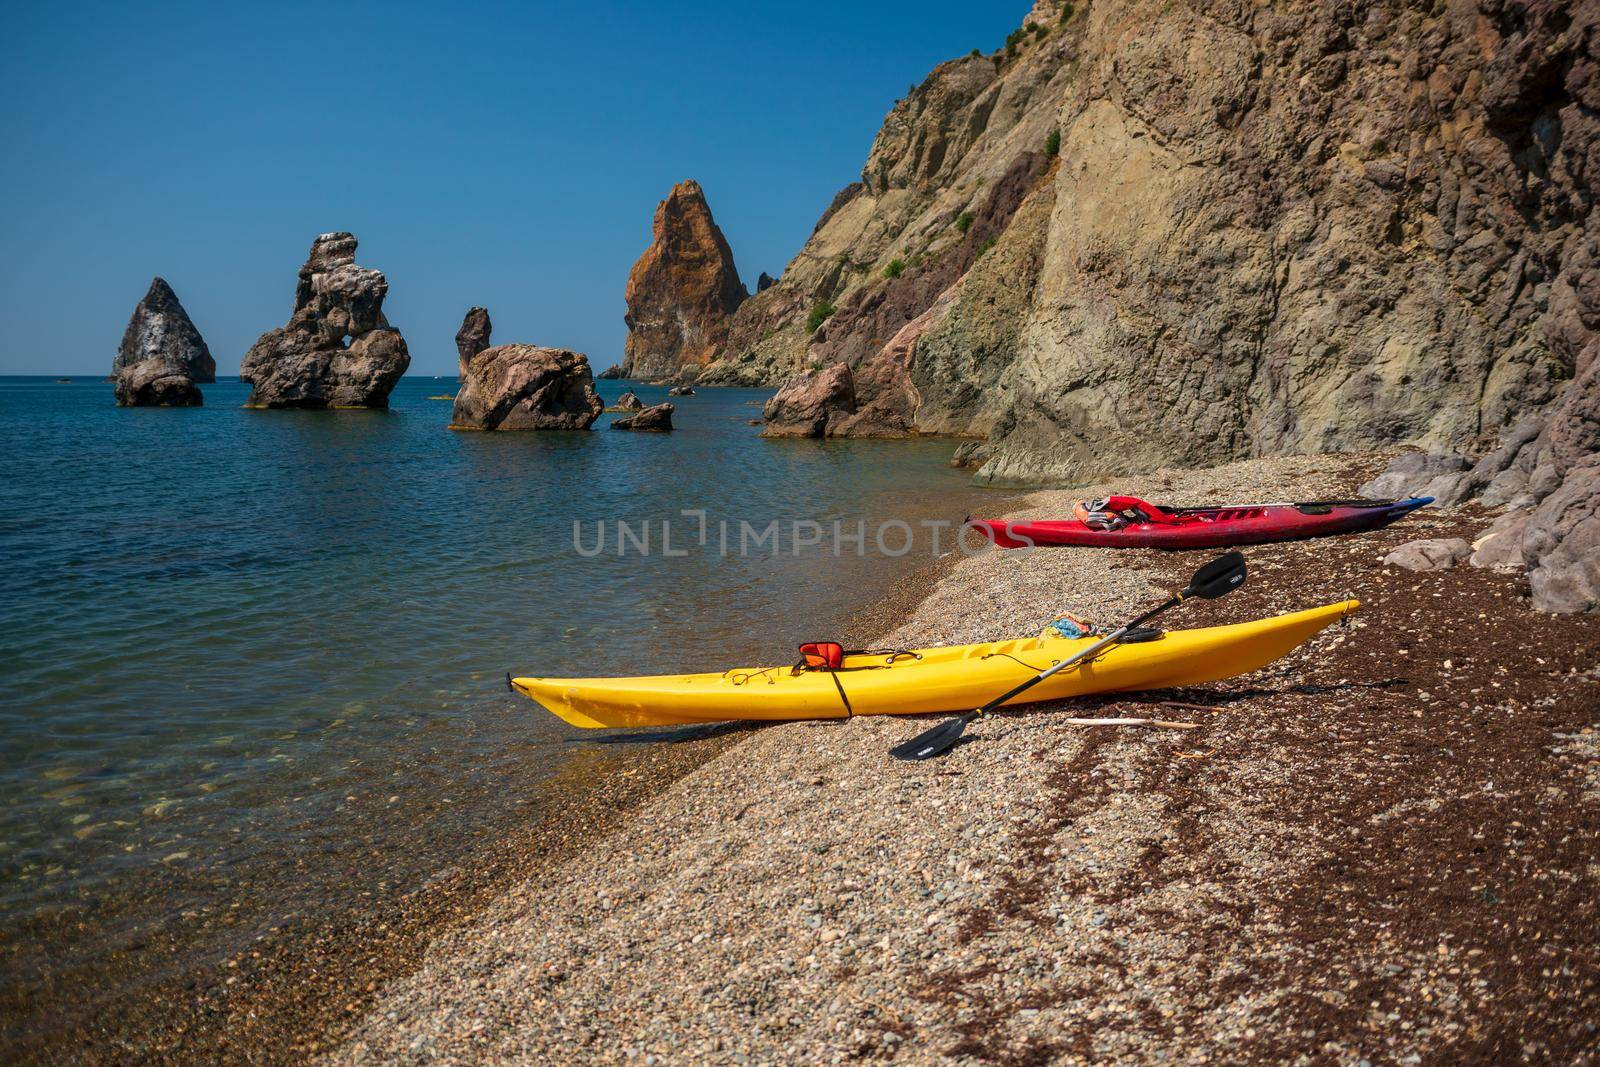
338 350
1152 232
159 329
681 292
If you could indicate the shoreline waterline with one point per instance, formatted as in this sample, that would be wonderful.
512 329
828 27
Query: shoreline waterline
268 848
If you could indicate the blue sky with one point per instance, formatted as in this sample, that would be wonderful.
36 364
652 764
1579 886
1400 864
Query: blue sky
509 155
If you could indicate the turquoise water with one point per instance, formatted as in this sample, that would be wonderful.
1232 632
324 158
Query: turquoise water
224 633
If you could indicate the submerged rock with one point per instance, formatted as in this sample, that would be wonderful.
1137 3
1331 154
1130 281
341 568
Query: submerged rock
526 387
161 330
337 350
682 290
473 337
680 390
657 419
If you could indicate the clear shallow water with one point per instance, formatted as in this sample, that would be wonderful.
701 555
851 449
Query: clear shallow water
227 636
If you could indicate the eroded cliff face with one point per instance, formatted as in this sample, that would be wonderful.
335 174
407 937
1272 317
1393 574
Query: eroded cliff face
681 292
1166 232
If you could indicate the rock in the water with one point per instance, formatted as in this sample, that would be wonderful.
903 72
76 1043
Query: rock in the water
525 387
611 373
161 330
1434 554
338 350
804 407
153 384
657 419
765 282
680 390
682 291
629 401
473 337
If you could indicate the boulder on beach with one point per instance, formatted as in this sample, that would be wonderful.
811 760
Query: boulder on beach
160 329
337 350
1429 554
526 387
657 419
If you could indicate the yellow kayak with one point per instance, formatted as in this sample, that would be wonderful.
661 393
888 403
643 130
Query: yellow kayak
953 678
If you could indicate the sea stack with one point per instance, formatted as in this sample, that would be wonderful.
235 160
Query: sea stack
162 355
681 292
337 351
526 387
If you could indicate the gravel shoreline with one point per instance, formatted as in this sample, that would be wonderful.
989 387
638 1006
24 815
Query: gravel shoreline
1380 849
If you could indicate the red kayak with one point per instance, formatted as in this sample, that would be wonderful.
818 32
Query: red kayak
1128 522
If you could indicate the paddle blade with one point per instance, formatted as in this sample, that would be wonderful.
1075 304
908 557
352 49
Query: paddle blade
1221 576
932 742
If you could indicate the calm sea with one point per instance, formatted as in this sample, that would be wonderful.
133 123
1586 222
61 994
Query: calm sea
229 637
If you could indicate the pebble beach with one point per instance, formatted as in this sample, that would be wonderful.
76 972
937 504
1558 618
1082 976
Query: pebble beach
1378 849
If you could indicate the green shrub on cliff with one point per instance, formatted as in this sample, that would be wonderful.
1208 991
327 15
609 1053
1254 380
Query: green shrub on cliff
895 268
1052 143
819 315
964 221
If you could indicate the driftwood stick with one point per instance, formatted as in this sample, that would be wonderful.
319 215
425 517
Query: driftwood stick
1135 722
1186 707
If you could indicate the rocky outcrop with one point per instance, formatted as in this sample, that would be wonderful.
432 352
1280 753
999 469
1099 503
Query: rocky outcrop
656 419
805 406
764 282
160 330
682 291
338 350
611 373
473 337
1546 473
1249 230
525 387
680 390
628 401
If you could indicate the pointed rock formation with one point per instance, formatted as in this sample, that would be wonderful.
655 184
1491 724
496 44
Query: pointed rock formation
525 387
162 355
682 291
337 351
473 337
160 329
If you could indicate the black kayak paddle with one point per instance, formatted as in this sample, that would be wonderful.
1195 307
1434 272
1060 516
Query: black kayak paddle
1222 575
